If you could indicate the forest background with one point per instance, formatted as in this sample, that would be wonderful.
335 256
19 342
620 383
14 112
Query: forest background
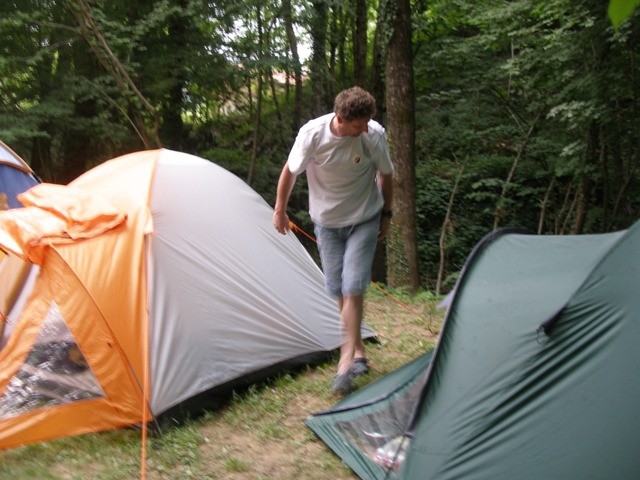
514 113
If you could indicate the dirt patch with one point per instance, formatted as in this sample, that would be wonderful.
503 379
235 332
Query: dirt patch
280 445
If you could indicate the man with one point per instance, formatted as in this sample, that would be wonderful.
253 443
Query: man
349 173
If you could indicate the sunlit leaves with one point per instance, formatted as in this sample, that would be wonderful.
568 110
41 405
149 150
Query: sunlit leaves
621 10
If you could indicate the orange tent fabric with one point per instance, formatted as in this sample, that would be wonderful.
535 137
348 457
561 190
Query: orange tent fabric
54 213
161 277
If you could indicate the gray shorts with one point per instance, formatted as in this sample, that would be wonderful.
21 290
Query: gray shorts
347 254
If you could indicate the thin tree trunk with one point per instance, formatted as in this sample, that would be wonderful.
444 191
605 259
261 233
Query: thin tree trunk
376 82
318 68
360 43
333 47
561 214
543 207
446 225
623 189
172 126
287 13
257 131
499 208
565 225
274 95
586 182
606 186
258 112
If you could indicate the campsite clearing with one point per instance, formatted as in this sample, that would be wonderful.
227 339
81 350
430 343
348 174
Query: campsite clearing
259 433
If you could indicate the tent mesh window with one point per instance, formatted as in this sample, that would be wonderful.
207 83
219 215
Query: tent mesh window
380 433
54 373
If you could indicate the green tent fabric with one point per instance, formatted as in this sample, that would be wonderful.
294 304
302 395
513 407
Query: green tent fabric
359 427
535 374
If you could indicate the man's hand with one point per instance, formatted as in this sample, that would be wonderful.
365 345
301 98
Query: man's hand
281 222
285 185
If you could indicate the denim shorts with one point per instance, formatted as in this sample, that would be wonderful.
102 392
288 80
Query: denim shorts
347 254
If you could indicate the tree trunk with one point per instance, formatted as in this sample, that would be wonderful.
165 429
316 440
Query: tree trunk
342 52
402 249
564 213
318 67
543 206
628 178
586 182
500 207
446 226
376 82
606 185
274 95
173 129
334 46
287 13
360 43
257 129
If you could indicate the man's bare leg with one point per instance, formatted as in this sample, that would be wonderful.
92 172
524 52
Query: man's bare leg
351 312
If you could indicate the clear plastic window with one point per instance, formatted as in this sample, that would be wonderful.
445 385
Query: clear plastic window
55 372
380 434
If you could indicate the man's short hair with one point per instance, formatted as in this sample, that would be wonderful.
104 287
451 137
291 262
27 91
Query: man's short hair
354 103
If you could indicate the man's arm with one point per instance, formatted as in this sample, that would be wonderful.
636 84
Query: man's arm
285 186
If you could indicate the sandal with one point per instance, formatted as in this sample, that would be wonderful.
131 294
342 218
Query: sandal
359 367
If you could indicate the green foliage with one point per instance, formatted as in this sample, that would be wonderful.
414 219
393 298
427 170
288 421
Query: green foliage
621 10
536 100
537 90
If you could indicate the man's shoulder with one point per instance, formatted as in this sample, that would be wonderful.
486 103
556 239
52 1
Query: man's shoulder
375 128
317 123
376 135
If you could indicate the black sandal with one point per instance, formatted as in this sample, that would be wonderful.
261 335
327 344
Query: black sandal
359 367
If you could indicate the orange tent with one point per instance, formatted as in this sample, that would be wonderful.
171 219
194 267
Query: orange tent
153 278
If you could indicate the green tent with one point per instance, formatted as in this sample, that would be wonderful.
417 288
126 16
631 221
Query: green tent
536 374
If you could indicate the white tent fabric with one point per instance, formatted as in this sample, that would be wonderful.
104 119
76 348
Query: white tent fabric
219 283
7 156
20 301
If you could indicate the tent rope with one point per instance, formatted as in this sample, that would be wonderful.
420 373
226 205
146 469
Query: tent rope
145 389
296 228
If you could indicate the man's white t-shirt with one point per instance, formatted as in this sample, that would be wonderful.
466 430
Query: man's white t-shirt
341 171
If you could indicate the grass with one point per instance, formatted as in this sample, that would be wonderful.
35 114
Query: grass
255 434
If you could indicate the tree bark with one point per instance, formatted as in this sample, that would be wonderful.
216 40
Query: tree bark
287 13
586 182
360 43
172 127
446 226
628 178
318 67
499 207
543 206
402 249
257 129
376 82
